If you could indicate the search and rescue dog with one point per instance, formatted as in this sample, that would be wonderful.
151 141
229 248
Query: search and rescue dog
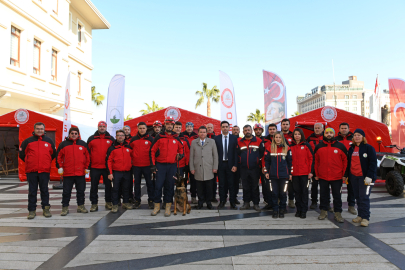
180 196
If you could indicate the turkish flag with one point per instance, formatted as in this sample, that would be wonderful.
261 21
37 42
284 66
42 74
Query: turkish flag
397 104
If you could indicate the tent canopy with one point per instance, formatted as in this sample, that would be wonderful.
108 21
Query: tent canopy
332 117
178 114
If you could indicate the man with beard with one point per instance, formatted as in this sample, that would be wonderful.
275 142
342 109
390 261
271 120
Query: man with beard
258 129
272 128
190 135
127 130
166 150
330 168
98 144
157 127
346 137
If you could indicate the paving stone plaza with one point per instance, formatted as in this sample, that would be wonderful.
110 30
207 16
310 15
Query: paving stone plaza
205 239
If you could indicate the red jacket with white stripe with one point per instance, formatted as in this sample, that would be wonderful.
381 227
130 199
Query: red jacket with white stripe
37 152
119 157
73 157
302 158
98 145
141 145
165 148
250 152
330 160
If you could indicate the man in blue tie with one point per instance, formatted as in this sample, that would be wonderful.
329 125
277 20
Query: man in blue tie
227 165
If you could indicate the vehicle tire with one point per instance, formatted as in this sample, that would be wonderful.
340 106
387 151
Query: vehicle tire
394 183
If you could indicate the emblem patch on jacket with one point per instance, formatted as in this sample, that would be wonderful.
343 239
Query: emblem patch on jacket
46 145
146 142
365 155
335 151
127 150
108 141
174 141
80 148
302 147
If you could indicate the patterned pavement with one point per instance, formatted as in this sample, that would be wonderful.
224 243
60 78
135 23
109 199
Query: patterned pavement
205 239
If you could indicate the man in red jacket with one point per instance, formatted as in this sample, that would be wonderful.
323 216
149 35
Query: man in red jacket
211 135
141 144
119 165
73 163
127 130
190 135
288 135
166 150
98 145
313 141
330 167
37 152
157 127
186 150
345 136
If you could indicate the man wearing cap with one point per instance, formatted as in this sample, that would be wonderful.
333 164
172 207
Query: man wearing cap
313 141
157 127
330 168
211 135
190 135
166 151
345 136
98 144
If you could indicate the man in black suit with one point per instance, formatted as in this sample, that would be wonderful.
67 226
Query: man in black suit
227 165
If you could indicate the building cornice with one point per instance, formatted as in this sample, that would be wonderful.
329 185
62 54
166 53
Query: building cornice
80 62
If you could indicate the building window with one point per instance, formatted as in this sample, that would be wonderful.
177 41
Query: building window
54 71
354 109
15 47
355 96
347 108
55 6
37 57
79 34
354 103
79 77
346 96
346 102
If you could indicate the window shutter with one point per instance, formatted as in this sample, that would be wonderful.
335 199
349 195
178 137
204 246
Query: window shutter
14 47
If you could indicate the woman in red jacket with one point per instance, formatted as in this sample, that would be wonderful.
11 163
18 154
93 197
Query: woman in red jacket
302 171
73 163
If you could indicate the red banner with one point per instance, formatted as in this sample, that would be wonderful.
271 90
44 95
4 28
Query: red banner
275 105
397 104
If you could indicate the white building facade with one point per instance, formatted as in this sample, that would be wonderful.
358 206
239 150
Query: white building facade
42 40
350 96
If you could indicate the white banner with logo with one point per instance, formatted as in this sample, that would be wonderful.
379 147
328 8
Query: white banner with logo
228 104
115 104
67 123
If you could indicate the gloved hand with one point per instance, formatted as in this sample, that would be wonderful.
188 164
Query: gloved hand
60 171
367 181
153 168
86 171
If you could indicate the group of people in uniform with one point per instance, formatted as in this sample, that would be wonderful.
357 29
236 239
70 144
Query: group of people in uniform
285 163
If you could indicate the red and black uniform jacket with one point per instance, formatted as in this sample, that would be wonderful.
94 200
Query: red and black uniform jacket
128 138
211 135
278 164
119 157
289 137
37 152
98 145
314 139
330 160
302 159
250 153
154 134
165 148
346 140
186 149
73 156
189 136
267 145
141 145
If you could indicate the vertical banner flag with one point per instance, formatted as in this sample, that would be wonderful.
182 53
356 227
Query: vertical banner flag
67 123
228 105
397 104
275 99
115 104
377 105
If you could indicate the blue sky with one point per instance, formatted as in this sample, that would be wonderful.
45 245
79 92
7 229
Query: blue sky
166 49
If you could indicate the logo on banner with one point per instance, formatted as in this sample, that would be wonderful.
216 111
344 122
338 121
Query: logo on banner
21 116
173 112
227 98
328 113
115 115
67 99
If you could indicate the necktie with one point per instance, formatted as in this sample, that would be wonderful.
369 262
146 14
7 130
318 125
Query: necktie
202 143
226 149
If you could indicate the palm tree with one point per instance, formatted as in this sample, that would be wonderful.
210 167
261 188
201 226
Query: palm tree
128 117
152 108
210 94
96 97
295 114
256 117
